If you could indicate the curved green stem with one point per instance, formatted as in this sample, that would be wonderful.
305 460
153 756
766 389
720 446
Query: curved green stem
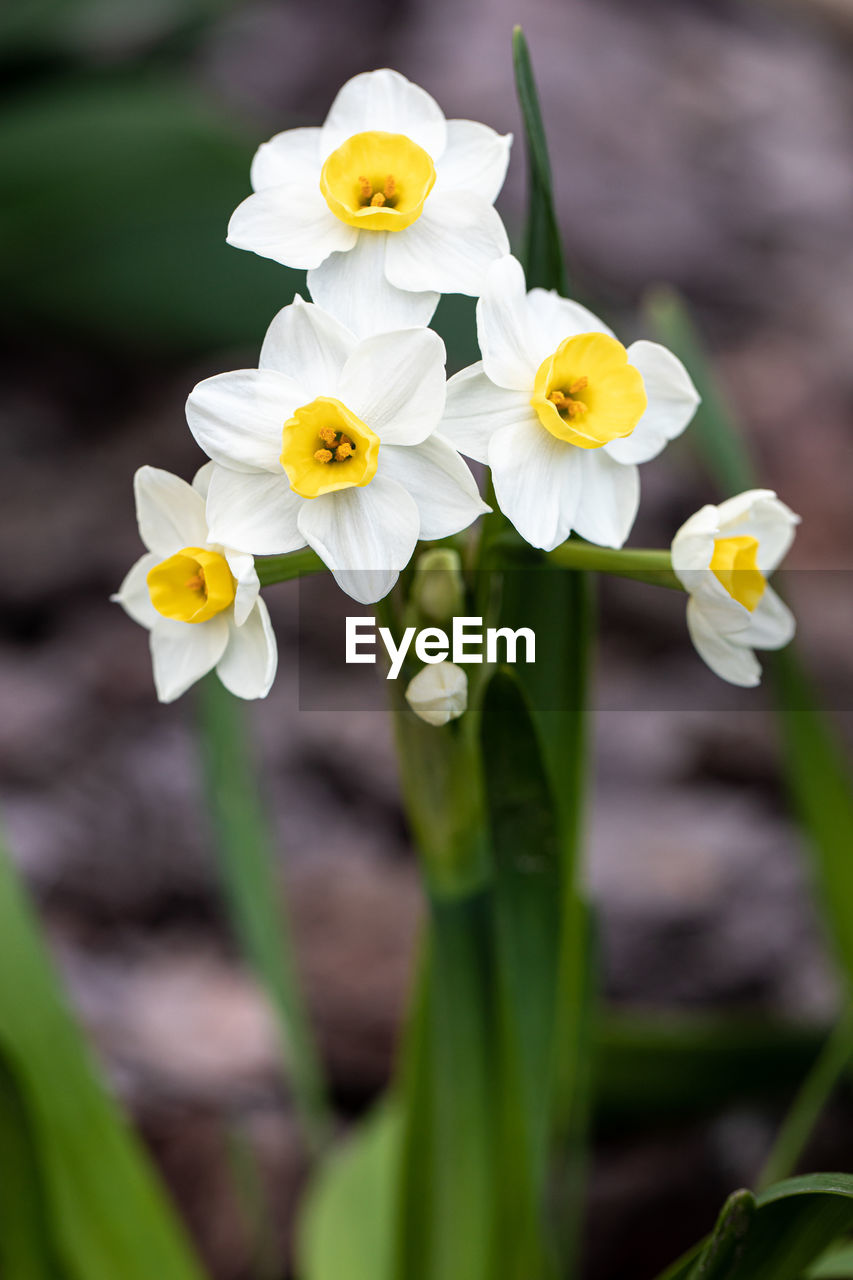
654 567
273 569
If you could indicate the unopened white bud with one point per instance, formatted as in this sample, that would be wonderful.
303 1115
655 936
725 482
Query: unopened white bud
438 693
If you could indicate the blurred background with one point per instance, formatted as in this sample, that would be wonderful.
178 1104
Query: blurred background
707 145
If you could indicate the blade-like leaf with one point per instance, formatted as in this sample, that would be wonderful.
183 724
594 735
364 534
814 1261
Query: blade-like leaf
543 251
837 1264
28 1246
109 1216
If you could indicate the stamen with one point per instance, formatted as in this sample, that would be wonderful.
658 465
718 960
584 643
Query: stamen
196 582
366 188
579 384
323 455
346 440
343 452
557 398
377 199
327 435
390 187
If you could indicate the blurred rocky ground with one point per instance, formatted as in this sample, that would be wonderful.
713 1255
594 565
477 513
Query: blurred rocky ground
706 145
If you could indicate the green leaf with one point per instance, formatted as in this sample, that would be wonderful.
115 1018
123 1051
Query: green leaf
722 1252
543 249
254 894
345 1229
146 175
108 1214
28 1247
837 1264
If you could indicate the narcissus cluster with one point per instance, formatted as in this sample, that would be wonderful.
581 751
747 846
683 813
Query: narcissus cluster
346 438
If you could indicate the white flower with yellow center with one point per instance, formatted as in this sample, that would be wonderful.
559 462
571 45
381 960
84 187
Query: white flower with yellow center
722 557
332 442
388 205
199 600
562 412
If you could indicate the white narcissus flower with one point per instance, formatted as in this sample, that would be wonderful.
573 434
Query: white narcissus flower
388 205
562 412
438 693
198 600
332 442
722 557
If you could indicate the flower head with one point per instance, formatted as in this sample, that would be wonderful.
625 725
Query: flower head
388 204
199 600
332 442
438 693
722 557
562 412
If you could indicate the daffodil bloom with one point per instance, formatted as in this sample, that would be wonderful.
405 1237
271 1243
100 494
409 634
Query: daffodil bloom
388 204
722 557
438 693
198 600
332 442
562 412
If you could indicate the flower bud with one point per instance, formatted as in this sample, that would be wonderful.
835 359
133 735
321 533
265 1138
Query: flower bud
438 591
438 693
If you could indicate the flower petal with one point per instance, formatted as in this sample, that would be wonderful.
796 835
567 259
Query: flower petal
256 513
728 659
387 101
672 403
758 513
248 666
476 408
291 224
183 652
133 594
201 479
170 513
450 247
475 159
308 345
354 288
365 536
537 481
610 496
440 483
553 319
238 418
505 330
395 383
291 158
772 624
242 566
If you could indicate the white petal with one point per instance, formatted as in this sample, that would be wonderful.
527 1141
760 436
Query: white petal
133 594
731 661
395 383
475 159
354 288
387 101
476 408
505 330
365 536
440 483
201 479
610 496
169 512
247 667
183 652
553 319
308 345
290 158
256 513
438 693
672 403
242 566
450 247
758 513
772 624
693 544
238 418
291 224
537 481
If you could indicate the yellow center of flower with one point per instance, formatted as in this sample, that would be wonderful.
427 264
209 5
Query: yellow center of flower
191 586
587 393
325 447
377 181
734 564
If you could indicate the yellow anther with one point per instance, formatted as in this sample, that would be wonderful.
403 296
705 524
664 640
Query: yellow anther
366 188
557 398
196 582
343 451
377 200
390 187
579 384
327 435
323 455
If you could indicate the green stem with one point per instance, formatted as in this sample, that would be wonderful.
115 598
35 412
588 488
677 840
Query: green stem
805 1111
654 567
254 894
273 569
